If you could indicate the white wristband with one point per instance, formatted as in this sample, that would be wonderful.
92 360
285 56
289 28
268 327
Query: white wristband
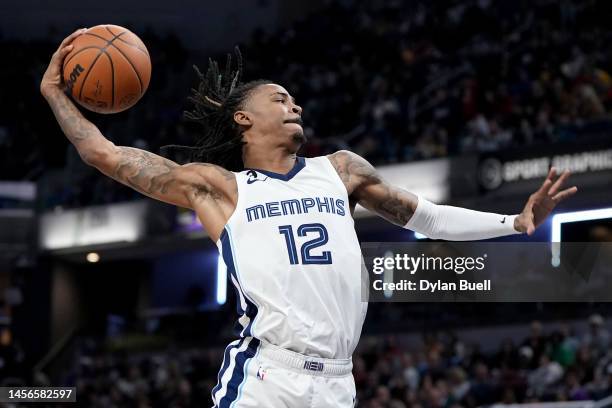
458 224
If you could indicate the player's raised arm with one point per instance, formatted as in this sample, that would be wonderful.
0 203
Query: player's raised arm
405 209
148 173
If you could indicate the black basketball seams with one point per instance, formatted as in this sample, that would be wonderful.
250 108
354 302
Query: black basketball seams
133 67
112 79
89 71
108 42
77 53
128 43
103 50
135 46
123 55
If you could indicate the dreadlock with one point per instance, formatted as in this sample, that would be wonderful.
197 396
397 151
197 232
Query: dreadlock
215 101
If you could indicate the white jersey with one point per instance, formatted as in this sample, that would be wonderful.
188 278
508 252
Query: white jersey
293 256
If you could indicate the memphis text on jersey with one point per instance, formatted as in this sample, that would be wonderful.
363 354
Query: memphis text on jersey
294 206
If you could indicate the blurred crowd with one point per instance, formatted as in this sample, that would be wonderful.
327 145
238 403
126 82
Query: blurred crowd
443 371
400 81
395 81
546 366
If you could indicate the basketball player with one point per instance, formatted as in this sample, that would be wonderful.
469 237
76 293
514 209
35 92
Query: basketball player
283 225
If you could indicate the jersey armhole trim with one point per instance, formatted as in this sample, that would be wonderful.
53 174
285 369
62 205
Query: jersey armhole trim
236 209
337 176
341 183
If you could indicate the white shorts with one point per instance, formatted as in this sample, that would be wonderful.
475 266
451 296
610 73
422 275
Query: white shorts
257 374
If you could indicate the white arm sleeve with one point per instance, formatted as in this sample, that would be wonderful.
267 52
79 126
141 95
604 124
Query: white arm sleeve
458 224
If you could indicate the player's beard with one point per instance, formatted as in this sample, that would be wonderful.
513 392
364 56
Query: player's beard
299 136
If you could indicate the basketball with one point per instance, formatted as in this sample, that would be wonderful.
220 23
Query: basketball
108 70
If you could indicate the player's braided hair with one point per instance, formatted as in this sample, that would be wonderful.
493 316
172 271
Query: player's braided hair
215 101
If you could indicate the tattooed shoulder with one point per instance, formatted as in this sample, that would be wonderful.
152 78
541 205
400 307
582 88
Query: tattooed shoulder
338 160
353 169
225 174
365 186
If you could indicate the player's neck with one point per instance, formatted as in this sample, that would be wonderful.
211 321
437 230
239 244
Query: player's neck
277 161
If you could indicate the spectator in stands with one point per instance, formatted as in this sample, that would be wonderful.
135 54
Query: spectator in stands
536 343
546 375
598 337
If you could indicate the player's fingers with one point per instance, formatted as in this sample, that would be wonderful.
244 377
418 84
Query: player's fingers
530 229
60 54
545 187
71 37
562 195
557 185
66 49
548 182
529 222
61 50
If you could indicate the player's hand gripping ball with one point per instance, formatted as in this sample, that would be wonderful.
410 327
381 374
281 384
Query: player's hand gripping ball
108 70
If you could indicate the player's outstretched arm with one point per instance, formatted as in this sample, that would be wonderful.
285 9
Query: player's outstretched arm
148 173
405 209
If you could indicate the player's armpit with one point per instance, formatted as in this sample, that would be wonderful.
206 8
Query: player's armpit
163 179
364 184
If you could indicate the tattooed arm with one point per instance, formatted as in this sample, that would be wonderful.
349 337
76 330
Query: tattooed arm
157 177
443 221
365 186
148 173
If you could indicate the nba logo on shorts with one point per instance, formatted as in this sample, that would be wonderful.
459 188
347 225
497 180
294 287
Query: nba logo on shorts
261 373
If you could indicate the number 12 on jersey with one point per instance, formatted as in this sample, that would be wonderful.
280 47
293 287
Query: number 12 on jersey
302 231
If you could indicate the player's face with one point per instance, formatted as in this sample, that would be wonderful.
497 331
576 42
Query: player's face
272 113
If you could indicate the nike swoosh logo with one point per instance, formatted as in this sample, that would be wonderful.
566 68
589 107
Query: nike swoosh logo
503 221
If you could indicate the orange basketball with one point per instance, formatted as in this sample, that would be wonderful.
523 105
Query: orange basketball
108 70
